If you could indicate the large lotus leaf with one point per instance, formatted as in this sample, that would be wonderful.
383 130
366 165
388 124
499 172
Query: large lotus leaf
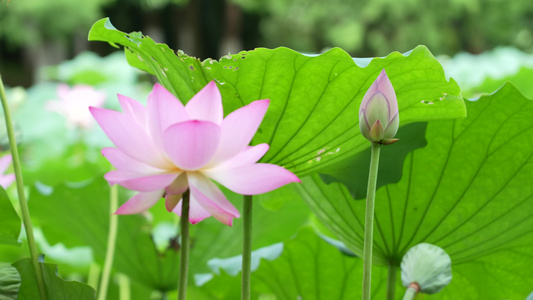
9 221
312 120
56 288
353 172
468 191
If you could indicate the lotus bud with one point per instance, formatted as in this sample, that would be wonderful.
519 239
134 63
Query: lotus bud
378 114
426 268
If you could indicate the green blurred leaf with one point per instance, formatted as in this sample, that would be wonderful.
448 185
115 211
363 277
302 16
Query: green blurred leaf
314 100
10 221
90 69
271 223
119 283
468 191
222 287
9 282
76 163
137 256
56 288
75 214
78 215
522 81
484 73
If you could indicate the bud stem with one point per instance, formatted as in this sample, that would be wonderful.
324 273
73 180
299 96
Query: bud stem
369 220
411 291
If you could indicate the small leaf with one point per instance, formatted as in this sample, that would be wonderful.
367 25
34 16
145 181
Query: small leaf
10 221
9 282
56 288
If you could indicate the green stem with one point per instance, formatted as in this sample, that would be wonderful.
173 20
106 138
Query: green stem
111 242
246 247
94 276
124 287
410 293
184 250
369 220
391 281
34 252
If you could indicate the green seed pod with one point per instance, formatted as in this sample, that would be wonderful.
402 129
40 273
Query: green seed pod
428 266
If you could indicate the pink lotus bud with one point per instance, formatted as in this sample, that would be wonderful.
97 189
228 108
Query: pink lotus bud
378 114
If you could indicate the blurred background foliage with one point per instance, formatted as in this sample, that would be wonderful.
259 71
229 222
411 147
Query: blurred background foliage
34 33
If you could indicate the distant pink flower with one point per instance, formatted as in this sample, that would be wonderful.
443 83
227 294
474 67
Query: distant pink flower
7 179
167 148
73 103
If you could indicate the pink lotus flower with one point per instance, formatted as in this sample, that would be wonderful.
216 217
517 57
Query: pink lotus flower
73 103
167 148
378 114
7 179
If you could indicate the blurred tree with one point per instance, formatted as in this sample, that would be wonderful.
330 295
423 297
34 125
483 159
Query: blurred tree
378 27
31 22
43 29
40 32
50 31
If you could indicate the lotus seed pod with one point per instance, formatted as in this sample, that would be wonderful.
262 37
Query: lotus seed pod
428 266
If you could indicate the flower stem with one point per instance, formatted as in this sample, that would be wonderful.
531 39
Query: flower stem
246 247
369 220
34 252
184 250
391 281
111 242
411 292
